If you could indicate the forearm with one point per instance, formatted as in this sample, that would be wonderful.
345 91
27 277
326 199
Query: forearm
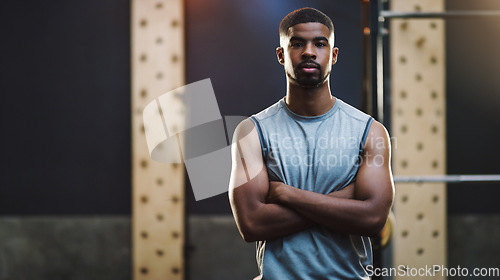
351 216
259 220
271 221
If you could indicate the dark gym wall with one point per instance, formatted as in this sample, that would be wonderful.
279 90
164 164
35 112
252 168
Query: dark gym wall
65 109
65 140
234 44
473 102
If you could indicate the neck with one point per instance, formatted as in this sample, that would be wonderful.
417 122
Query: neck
313 101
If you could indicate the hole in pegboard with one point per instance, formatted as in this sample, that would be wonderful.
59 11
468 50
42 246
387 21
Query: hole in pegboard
418 77
404 163
175 199
435 164
418 8
159 181
175 58
144 199
420 146
175 234
434 95
175 270
175 23
435 233
144 270
159 217
175 165
159 75
420 216
159 5
159 40
143 128
160 252
143 22
404 198
144 163
404 233
402 59
435 198
433 60
420 251
143 93
433 25
143 57
144 235
438 112
419 112
403 94
404 25
404 128
420 42
434 129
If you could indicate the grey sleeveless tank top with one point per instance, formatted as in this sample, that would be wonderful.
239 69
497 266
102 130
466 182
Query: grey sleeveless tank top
320 154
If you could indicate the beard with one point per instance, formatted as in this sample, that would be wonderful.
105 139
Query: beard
308 80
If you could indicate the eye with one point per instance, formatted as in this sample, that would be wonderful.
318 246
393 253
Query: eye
296 44
320 44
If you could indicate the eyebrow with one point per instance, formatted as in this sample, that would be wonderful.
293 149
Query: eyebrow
319 38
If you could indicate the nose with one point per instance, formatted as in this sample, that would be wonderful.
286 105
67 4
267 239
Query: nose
309 51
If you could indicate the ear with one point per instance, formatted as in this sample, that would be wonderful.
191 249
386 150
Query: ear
335 54
280 55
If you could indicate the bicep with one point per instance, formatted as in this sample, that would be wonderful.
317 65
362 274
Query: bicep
374 179
249 182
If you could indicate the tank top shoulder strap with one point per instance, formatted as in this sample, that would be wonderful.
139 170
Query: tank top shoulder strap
261 139
365 135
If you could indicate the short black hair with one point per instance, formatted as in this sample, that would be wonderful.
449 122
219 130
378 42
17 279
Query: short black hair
304 15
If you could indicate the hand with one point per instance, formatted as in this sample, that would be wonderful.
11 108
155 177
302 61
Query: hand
276 192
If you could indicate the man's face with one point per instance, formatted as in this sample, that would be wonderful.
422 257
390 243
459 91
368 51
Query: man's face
307 54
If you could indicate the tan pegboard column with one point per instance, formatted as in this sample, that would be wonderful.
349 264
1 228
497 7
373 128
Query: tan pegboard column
158 189
418 124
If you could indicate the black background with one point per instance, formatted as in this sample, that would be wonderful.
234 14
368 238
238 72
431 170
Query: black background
65 106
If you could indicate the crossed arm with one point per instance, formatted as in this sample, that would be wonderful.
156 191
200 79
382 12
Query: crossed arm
266 210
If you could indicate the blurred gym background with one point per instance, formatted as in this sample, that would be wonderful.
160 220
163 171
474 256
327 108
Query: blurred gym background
66 158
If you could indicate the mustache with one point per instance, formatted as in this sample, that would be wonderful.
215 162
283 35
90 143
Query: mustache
308 64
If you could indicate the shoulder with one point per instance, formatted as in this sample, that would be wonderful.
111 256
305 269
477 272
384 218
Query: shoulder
378 130
377 140
352 111
268 112
244 128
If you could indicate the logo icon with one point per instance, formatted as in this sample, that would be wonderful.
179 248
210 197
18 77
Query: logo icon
201 139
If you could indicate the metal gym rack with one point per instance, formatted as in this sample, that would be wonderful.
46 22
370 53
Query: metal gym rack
375 97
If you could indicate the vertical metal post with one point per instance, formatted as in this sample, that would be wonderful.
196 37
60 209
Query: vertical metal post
373 61
366 30
381 31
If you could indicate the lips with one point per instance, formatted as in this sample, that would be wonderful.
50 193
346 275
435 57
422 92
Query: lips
309 70
308 67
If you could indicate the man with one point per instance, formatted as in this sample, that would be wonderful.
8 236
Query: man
311 178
